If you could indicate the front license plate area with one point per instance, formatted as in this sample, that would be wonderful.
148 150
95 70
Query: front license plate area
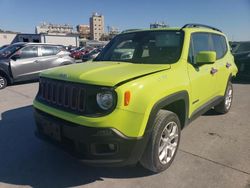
53 131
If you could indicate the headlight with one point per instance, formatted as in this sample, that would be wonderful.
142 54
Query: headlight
105 100
248 55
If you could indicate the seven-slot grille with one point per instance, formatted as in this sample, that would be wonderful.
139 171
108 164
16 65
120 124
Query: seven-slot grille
63 95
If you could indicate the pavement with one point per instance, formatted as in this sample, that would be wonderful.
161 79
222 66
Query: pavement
214 151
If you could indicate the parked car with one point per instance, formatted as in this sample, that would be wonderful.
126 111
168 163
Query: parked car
4 46
74 49
241 52
77 54
70 48
24 61
91 55
233 45
118 111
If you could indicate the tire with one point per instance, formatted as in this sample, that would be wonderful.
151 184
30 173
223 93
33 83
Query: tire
224 106
157 156
3 82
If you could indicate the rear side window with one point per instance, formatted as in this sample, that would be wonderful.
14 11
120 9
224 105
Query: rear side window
49 50
28 52
219 45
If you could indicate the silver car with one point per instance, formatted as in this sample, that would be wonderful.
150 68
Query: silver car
24 61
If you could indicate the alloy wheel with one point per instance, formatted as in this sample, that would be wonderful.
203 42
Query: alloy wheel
168 142
2 82
229 97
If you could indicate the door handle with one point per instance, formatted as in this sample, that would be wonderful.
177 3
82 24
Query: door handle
228 65
213 71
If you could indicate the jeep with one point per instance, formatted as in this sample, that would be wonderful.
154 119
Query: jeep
131 102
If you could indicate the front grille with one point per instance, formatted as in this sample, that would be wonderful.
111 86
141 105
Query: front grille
63 95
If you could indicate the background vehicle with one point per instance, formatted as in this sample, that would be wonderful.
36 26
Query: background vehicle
91 55
4 46
78 53
24 61
241 52
71 48
132 109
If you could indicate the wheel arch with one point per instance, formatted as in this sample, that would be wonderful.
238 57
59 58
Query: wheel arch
177 103
230 78
8 78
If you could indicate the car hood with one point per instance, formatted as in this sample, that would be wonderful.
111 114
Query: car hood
3 57
103 73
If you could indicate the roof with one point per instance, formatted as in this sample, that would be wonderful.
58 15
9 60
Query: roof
187 27
32 43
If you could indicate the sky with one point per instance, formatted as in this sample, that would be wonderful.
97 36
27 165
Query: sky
231 16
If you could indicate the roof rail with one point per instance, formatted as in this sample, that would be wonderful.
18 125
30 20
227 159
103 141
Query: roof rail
130 30
200 25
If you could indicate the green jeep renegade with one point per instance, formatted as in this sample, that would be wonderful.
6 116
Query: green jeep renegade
130 103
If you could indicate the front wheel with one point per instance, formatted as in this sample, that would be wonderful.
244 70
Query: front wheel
163 143
224 106
3 82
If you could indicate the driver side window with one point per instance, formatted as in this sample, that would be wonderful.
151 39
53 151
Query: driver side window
199 42
28 52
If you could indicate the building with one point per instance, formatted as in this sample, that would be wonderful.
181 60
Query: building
57 29
84 31
95 44
66 40
6 37
23 37
158 25
96 23
112 32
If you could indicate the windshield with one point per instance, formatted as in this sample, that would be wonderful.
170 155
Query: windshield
147 47
6 52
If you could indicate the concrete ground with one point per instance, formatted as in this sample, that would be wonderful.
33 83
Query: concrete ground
214 151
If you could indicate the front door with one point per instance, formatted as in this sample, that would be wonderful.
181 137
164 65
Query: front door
25 64
202 77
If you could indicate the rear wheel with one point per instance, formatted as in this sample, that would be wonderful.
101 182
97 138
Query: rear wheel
163 144
226 104
3 82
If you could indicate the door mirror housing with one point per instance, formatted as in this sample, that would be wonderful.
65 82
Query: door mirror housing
205 57
15 57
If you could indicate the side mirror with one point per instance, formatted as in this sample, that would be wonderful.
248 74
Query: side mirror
15 57
205 57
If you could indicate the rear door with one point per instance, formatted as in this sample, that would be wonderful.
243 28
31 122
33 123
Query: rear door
203 82
49 56
222 63
26 64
